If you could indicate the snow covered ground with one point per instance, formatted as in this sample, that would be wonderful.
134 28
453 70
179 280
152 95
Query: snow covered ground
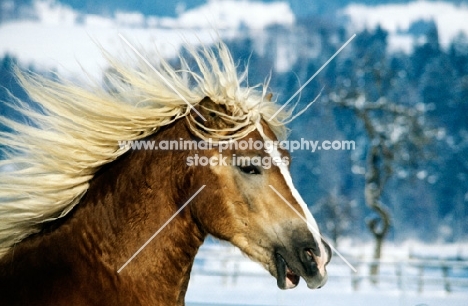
210 290
221 276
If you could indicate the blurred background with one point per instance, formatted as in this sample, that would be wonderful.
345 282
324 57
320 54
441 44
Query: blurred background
396 206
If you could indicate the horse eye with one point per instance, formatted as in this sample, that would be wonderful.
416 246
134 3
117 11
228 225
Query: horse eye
249 169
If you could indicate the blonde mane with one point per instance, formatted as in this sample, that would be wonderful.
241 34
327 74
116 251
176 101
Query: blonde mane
76 130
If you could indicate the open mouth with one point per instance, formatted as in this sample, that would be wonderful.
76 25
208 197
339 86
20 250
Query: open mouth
286 278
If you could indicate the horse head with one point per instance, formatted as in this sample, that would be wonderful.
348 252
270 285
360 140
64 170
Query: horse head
252 203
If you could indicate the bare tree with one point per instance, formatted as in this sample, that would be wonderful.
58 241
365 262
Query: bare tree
394 133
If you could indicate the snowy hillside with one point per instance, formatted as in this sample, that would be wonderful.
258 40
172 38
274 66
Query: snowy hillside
59 37
234 14
397 19
64 39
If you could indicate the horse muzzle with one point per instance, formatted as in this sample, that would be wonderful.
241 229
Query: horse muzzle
302 262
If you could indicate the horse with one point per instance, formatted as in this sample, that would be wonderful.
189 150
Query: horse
76 204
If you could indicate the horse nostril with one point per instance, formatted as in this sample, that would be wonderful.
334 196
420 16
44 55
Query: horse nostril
310 254
311 259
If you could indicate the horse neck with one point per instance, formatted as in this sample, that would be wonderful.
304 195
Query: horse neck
127 202
140 193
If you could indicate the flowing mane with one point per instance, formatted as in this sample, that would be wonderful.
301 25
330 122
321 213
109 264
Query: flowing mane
75 130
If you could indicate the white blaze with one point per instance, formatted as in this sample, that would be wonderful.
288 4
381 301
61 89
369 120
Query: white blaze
311 223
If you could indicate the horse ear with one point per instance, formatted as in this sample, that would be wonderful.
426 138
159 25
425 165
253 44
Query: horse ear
210 112
205 107
269 96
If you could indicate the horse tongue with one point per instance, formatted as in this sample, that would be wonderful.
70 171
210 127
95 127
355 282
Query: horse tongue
292 279
286 278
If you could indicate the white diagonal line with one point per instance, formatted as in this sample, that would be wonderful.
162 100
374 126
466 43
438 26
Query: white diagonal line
311 227
160 229
312 77
160 75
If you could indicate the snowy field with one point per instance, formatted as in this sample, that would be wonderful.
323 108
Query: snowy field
222 276
210 290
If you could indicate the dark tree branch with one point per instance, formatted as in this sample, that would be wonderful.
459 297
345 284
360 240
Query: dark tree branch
382 156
